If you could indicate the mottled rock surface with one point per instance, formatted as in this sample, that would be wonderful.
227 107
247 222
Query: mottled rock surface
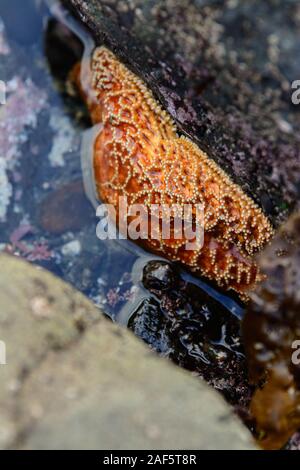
75 380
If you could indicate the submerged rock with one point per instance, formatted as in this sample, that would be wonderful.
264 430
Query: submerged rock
65 209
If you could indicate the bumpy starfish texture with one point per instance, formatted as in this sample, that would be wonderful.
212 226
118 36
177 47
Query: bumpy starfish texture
139 154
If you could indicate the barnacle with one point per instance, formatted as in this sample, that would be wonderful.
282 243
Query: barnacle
139 154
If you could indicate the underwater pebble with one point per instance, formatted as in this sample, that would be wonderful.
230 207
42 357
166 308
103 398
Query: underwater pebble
72 248
66 209
182 322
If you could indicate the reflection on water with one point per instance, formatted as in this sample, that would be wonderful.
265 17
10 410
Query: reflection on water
46 218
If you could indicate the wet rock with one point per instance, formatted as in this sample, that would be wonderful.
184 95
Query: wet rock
271 331
181 321
74 380
219 74
66 209
159 275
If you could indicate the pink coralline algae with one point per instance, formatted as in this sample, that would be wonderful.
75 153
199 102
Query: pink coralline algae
114 296
36 251
23 104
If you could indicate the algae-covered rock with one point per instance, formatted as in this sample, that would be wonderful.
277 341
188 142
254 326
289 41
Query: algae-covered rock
223 70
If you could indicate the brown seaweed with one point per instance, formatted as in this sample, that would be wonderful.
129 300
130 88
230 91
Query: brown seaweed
271 332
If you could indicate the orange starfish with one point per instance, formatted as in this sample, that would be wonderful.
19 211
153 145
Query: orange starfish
139 154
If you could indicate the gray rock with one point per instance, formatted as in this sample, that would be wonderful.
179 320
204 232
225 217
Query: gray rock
75 380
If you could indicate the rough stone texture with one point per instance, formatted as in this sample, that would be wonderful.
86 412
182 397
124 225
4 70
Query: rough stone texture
75 380
223 70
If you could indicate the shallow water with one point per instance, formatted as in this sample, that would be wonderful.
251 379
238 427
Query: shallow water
47 218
